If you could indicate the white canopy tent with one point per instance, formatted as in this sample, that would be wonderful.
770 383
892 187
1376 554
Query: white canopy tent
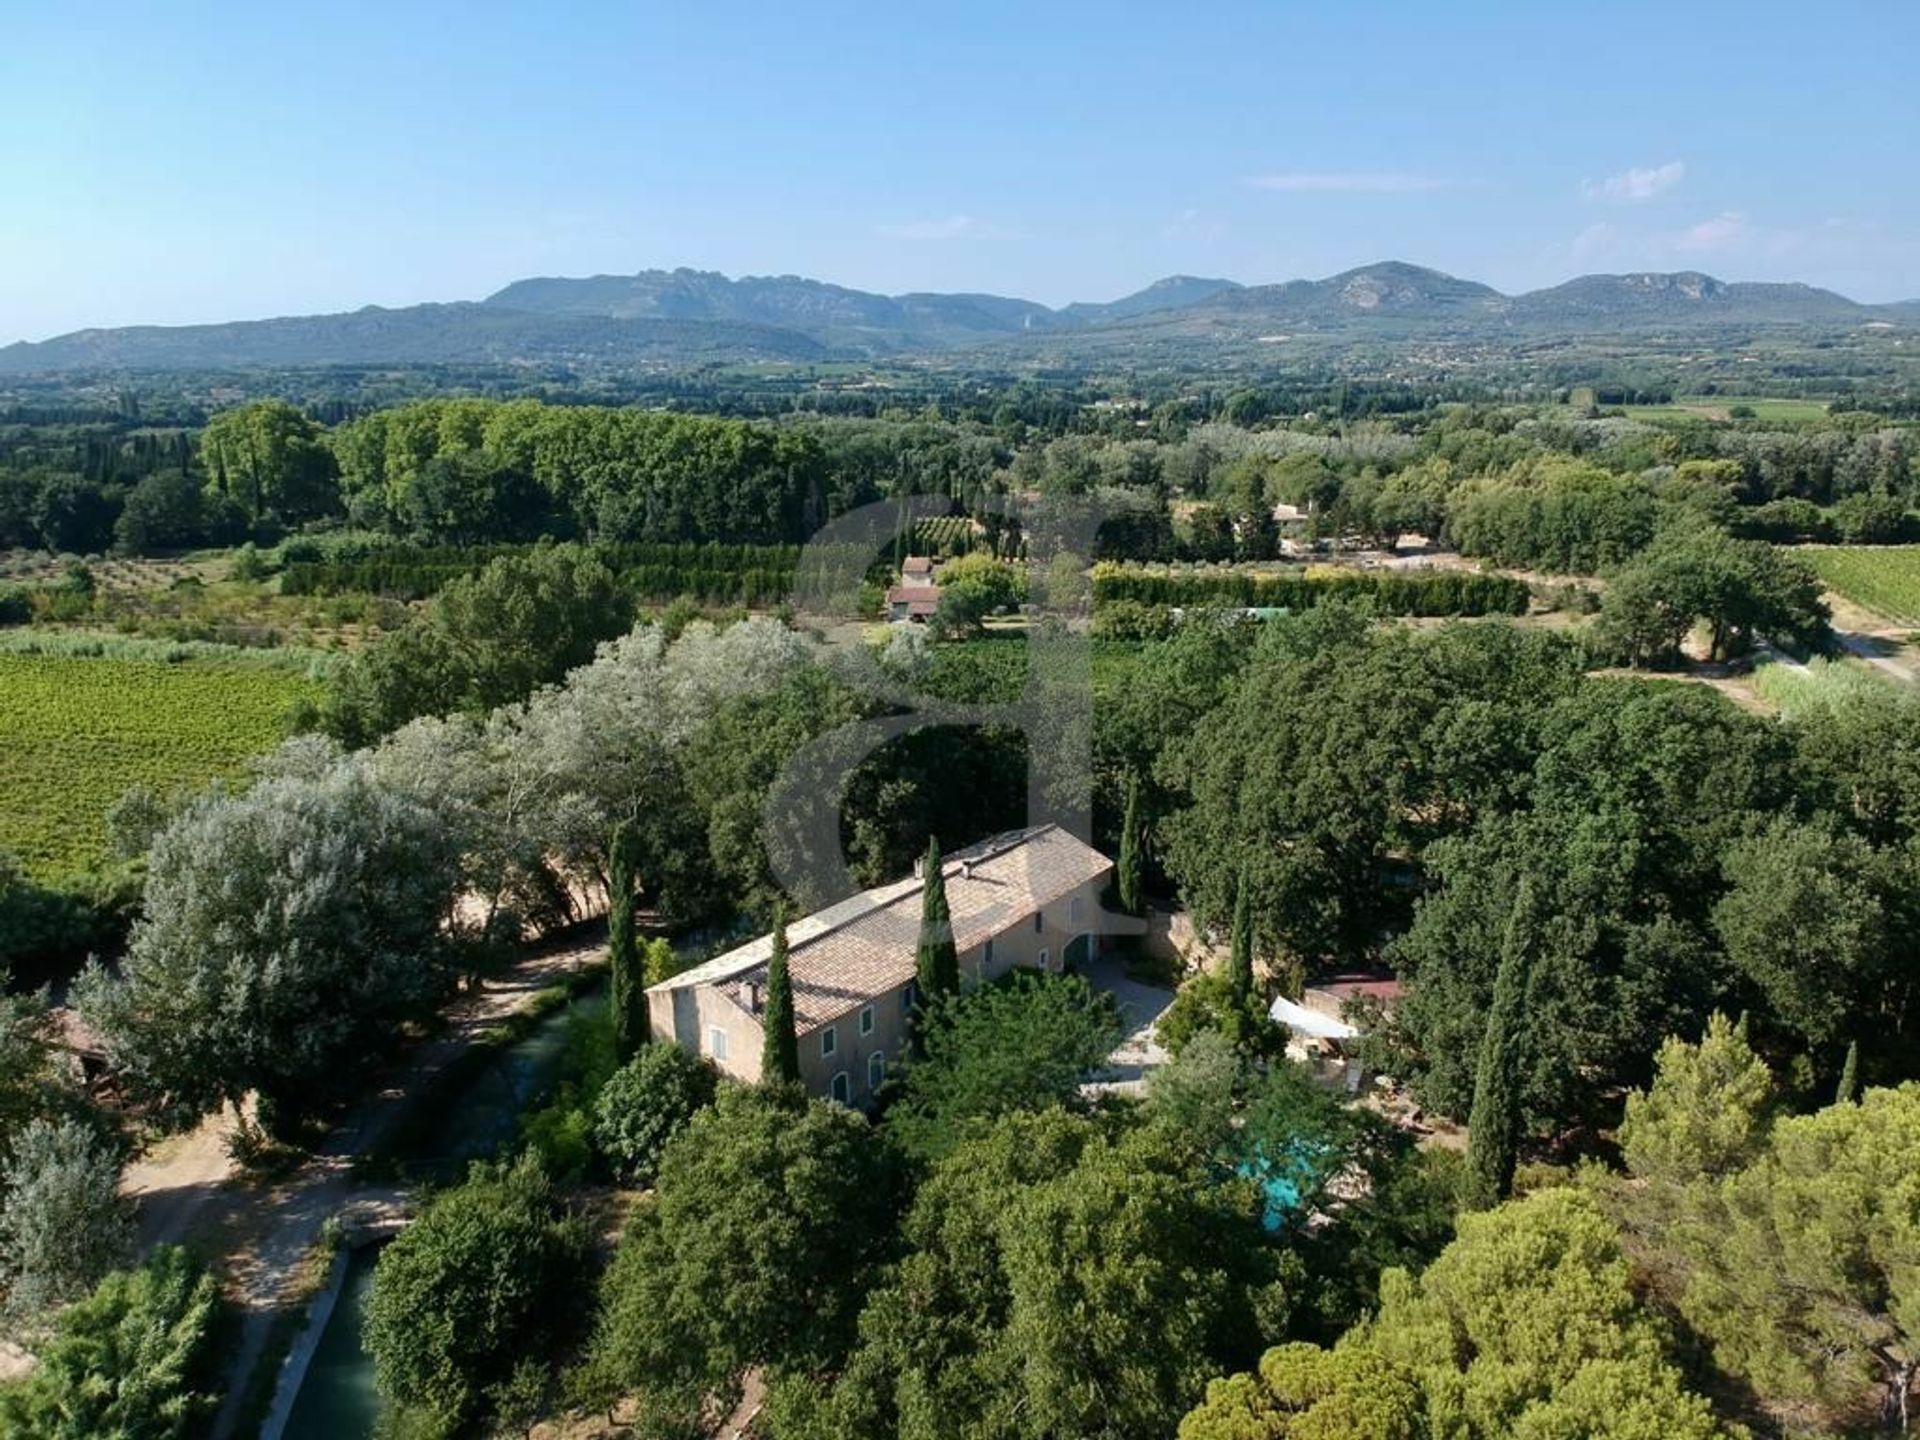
1303 1021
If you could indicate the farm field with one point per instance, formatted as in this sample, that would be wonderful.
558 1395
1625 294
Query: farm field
76 732
1720 407
1882 578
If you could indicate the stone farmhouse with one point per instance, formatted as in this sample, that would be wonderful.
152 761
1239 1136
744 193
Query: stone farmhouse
1026 898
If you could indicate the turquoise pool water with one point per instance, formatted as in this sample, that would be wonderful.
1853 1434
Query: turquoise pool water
1282 1180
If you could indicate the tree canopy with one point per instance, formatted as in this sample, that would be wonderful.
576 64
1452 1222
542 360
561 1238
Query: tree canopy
1022 1043
1526 1325
287 934
482 1279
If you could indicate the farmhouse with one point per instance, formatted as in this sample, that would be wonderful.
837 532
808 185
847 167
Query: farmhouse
917 596
1026 898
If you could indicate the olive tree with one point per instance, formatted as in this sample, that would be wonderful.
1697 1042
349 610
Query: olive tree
288 934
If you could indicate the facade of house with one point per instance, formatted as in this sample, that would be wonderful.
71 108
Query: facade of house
1027 898
917 596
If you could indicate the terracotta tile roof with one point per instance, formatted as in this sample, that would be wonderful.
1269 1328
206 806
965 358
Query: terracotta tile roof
845 955
914 595
1342 988
916 565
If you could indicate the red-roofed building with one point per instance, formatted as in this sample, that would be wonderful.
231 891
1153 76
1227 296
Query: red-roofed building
913 602
917 596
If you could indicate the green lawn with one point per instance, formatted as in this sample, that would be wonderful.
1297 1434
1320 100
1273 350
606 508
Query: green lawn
1883 578
77 731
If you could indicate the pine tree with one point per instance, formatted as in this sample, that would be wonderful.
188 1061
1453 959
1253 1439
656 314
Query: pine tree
1849 1076
1493 1125
937 963
1240 951
627 983
780 1055
1127 873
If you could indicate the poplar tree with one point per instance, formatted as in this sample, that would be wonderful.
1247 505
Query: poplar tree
780 1055
1849 1076
937 963
1493 1125
1127 873
627 982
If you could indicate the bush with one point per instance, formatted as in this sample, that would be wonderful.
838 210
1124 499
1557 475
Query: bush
1131 620
136 1360
1206 1004
64 1226
647 1103
1871 520
1026 1042
485 1278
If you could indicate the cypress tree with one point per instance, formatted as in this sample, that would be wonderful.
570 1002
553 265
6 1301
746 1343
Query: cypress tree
1493 1125
1849 1076
780 1056
1127 873
936 963
627 983
1240 947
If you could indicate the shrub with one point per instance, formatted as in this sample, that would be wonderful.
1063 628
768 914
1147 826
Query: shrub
64 1226
137 1359
646 1103
484 1279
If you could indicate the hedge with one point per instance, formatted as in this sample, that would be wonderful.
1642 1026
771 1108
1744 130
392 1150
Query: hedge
730 574
1393 592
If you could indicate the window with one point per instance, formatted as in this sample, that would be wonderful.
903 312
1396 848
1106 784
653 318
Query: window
876 1070
829 1040
866 1020
842 1088
1039 922
716 1042
908 996
1044 956
987 958
1076 907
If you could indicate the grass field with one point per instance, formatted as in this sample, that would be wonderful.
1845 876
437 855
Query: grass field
1719 407
1883 578
1833 685
76 732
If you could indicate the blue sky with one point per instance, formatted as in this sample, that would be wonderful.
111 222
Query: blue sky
196 162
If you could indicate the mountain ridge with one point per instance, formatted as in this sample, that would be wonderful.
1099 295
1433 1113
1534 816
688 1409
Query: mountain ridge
685 315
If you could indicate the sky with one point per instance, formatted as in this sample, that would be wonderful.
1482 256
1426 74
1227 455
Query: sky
193 162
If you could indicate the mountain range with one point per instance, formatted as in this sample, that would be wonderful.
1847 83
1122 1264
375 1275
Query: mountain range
663 317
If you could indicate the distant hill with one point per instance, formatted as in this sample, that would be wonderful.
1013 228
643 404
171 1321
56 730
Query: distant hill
1688 295
1391 289
1176 292
832 314
672 317
417 335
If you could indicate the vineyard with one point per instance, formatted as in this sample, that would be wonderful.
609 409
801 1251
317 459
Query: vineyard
77 732
1883 578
